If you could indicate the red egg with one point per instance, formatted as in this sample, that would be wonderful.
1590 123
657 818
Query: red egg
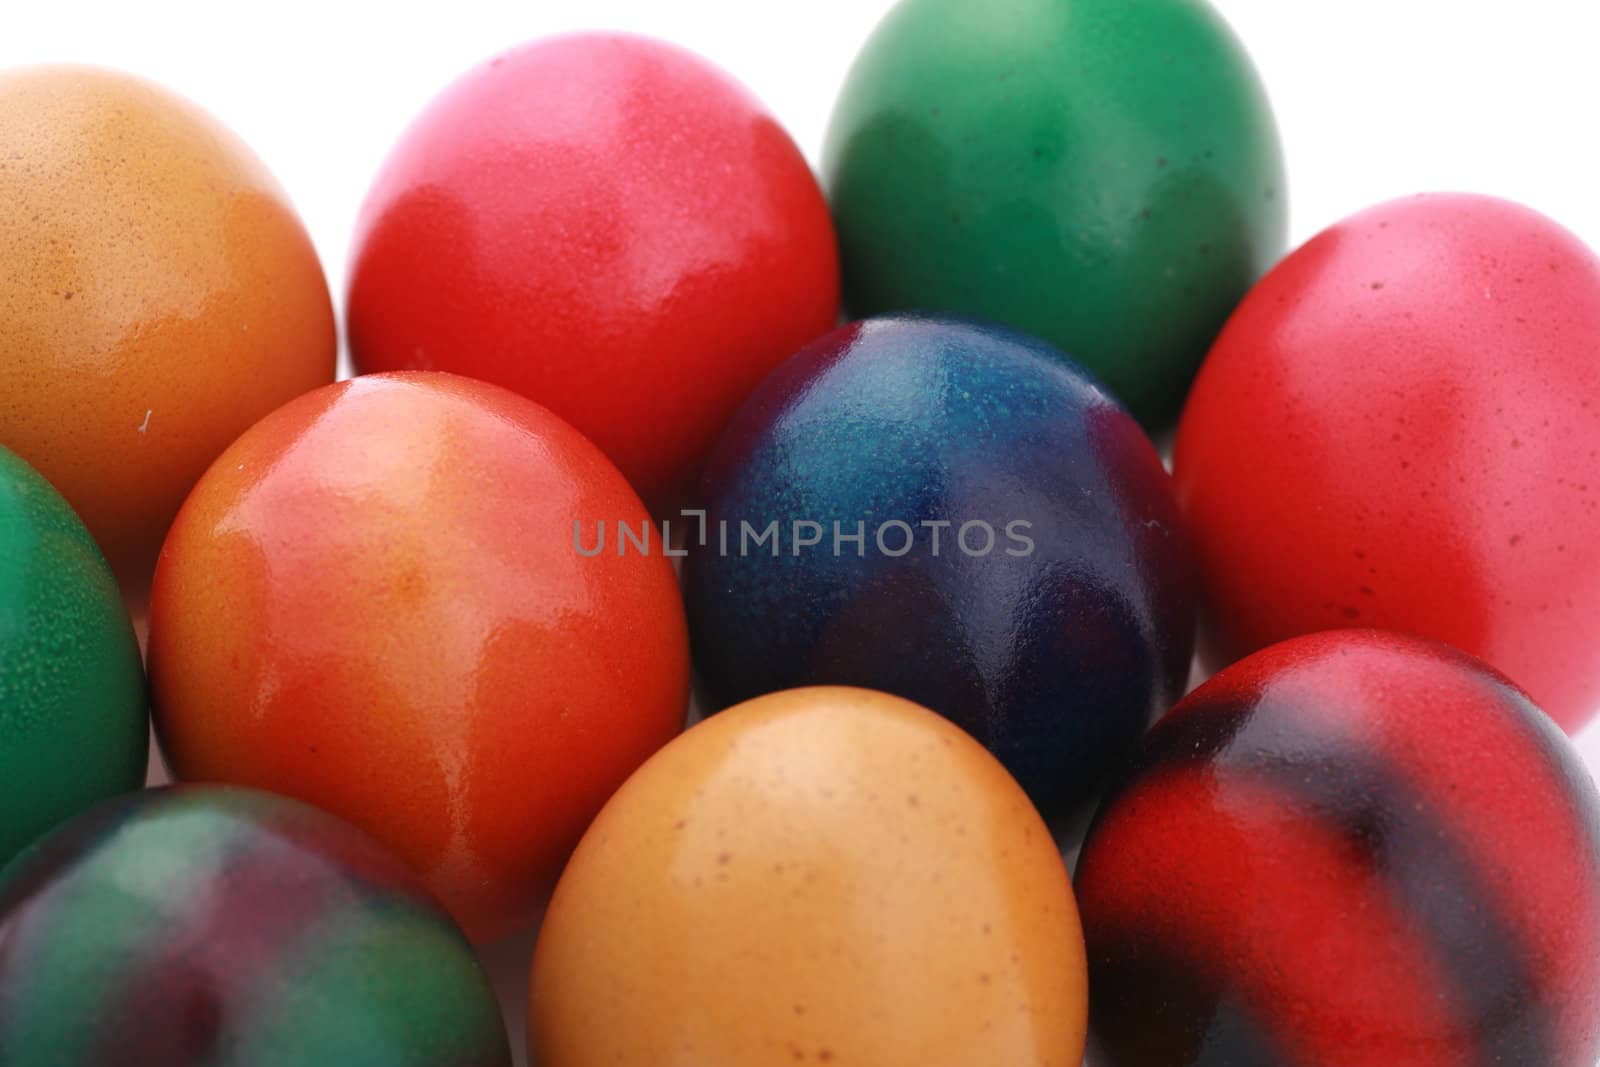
609 225
1400 428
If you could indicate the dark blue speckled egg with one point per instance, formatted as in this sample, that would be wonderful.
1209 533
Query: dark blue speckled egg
954 514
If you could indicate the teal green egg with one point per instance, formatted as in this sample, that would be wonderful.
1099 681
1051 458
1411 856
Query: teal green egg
73 710
1103 174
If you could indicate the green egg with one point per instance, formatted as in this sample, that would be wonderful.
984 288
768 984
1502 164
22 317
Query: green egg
73 711
1104 174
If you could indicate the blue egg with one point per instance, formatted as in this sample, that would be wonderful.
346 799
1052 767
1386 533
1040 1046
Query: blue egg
955 514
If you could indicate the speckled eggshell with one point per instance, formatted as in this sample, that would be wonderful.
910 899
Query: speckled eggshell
1103 174
73 728
231 928
821 876
1350 848
374 602
1401 428
157 296
608 224
1054 648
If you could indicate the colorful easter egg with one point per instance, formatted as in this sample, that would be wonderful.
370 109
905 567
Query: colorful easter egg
954 514
220 926
73 728
1102 174
1353 847
374 602
609 225
157 296
818 876
1400 428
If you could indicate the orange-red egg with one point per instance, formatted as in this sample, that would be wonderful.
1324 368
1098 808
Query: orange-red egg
158 295
818 876
374 602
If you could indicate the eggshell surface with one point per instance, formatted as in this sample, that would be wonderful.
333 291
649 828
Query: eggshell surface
819 876
609 225
157 296
1018 566
1400 428
374 602
1351 848
73 727
231 928
1102 174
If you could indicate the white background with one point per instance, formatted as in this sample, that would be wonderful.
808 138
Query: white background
1375 98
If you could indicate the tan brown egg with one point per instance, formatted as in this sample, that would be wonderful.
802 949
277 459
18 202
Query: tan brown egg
158 295
820 876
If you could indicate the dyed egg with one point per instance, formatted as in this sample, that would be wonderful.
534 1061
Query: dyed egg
226 927
373 602
157 296
954 514
1352 848
607 224
817 876
1102 174
73 728
1401 428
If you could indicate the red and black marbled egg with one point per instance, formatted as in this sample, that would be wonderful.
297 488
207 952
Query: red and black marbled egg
1350 848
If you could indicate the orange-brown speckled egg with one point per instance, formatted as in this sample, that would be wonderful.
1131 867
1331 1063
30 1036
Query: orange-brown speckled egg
819 876
158 295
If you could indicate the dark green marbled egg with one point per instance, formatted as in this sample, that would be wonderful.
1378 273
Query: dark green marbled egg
231 928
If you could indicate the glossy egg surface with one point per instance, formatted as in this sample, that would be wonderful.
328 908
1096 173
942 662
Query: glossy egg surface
1350 848
818 876
609 225
232 928
1400 428
73 723
374 602
1103 174
158 295
1019 566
